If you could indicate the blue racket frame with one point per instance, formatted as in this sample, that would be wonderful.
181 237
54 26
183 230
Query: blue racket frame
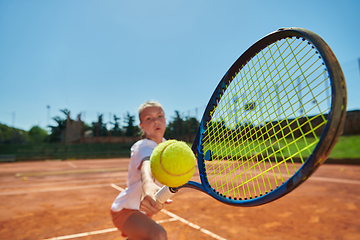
328 139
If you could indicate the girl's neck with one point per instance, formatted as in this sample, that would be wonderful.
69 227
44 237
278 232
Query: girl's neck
156 140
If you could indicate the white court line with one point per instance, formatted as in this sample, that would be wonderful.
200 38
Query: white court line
71 164
173 216
54 189
167 220
176 217
203 230
78 235
63 182
337 180
117 187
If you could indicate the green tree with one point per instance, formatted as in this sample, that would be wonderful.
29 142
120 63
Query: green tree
37 135
116 130
99 128
192 125
178 127
174 127
58 132
11 135
130 129
5 134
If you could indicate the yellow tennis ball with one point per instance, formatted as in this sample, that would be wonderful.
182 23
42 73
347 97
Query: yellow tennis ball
172 163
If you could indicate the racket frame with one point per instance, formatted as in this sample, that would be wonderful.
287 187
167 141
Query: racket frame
329 137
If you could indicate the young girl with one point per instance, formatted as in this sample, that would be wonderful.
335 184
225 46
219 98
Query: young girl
132 209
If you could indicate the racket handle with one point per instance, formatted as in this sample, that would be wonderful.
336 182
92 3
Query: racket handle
164 194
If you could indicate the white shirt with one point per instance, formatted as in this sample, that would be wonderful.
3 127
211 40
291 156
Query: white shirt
130 197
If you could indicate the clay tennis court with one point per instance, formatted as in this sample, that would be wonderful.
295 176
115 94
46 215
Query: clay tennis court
71 200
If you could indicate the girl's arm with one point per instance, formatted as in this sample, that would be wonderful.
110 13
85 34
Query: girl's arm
148 203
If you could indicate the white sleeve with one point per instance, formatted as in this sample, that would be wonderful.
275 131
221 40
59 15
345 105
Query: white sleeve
142 152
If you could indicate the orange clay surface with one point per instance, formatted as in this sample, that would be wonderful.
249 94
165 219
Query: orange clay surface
71 200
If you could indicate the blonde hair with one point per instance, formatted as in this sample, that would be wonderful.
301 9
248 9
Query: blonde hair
148 104
143 107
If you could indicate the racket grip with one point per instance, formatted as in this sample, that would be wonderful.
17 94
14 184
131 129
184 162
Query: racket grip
164 194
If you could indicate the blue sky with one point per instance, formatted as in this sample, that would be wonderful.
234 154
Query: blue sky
108 57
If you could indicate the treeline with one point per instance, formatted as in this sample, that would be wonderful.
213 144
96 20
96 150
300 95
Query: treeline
177 127
10 135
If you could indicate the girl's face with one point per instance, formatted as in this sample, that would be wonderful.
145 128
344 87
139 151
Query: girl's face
153 123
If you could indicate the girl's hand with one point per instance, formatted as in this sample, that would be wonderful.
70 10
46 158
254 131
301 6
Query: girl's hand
150 206
148 203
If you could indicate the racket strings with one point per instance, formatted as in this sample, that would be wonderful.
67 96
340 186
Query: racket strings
263 124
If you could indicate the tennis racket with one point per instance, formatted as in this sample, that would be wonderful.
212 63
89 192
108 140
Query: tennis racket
271 122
